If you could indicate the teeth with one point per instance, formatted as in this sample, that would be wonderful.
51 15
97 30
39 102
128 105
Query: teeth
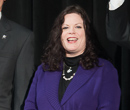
72 39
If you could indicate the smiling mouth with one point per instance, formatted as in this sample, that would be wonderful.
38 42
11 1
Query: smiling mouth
72 39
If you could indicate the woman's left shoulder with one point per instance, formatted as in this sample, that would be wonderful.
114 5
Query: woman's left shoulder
105 63
107 68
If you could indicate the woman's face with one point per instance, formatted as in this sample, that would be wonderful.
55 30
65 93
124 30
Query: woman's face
73 35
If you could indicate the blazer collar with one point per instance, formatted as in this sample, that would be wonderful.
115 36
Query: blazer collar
5 24
52 85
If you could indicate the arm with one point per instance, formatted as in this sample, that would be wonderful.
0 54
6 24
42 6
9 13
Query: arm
30 103
24 71
109 97
117 26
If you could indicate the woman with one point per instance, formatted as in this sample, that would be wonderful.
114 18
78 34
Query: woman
72 77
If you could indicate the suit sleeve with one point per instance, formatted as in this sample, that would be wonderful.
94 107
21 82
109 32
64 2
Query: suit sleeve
24 71
118 27
109 97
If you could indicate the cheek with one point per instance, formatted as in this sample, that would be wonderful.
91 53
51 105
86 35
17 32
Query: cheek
81 33
63 37
82 36
62 40
83 39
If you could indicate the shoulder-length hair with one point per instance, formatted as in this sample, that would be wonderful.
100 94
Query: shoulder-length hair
54 52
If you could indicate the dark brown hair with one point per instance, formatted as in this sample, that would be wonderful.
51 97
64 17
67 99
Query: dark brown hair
54 52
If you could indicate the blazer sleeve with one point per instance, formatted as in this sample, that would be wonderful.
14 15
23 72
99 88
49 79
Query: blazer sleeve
118 27
30 102
24 71
109 97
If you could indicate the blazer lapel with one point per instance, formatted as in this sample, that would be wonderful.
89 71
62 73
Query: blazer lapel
4 28
51 87
81 77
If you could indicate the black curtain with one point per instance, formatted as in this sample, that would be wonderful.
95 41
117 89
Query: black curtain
39 15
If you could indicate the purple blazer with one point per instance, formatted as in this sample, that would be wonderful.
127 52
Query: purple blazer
94 89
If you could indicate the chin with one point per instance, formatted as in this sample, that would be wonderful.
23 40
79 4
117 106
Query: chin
71 51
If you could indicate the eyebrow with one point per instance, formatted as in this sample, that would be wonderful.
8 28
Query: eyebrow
79 23
75 24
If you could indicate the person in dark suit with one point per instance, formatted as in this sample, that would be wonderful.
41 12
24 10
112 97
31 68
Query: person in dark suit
16 62
72 76
117 23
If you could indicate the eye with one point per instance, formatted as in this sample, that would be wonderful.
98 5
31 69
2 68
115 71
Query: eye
65 28
78 27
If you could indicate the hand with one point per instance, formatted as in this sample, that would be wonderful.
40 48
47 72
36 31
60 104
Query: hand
114 4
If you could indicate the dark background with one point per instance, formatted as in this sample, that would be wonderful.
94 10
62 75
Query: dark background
39 15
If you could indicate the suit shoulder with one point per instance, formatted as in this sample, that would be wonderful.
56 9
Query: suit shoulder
17 27
20 32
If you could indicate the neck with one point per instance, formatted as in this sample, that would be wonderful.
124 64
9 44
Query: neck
73 54
72 61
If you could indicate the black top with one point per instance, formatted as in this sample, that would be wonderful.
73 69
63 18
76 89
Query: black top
69 68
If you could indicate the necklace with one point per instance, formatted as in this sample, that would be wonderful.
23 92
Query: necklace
71 77
68 71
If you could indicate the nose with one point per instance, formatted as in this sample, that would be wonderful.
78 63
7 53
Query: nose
71 30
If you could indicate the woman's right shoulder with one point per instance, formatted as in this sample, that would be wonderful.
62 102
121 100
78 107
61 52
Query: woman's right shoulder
39 70
40 67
